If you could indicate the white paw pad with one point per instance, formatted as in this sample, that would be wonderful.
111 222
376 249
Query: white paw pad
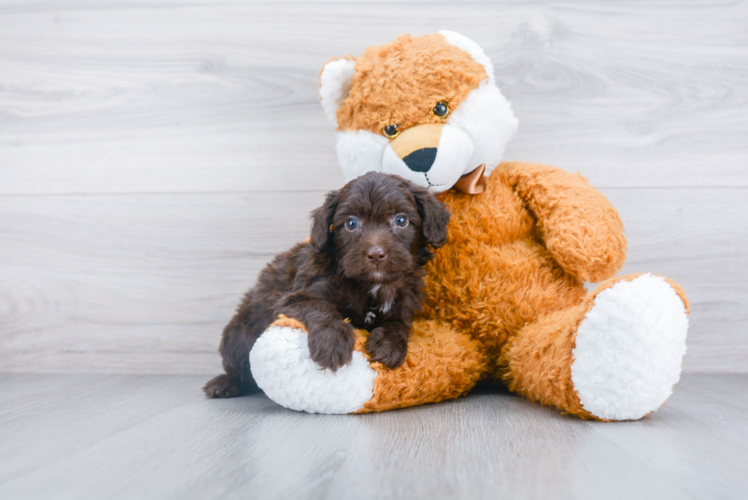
629 349
283 369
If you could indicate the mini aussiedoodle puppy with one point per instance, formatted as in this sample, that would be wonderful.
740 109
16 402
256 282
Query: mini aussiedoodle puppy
361 268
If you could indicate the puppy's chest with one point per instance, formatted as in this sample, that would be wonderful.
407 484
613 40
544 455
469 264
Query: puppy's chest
376 306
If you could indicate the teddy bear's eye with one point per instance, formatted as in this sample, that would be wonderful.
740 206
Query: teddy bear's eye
441 109
391 131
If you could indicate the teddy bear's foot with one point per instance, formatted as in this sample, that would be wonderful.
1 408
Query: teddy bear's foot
283 369
614 356
629 348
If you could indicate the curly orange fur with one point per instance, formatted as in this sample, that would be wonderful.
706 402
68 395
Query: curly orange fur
441 364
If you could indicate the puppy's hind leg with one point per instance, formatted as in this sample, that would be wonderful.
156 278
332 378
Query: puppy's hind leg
238 338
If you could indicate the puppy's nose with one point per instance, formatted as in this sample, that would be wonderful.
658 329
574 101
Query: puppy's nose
376 255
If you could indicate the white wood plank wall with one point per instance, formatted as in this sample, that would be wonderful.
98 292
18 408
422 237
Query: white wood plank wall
154 155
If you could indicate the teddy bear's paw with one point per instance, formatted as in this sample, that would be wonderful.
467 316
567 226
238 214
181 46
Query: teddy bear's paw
283 369
629 349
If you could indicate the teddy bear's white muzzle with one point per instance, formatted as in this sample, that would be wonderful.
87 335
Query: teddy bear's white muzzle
436 168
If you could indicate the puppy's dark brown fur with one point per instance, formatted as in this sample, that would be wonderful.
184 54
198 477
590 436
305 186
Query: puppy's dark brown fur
363 262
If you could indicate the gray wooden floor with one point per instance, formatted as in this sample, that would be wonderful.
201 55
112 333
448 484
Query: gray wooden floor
154 436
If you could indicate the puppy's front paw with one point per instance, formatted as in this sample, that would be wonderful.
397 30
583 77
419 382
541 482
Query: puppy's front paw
331 346
387 347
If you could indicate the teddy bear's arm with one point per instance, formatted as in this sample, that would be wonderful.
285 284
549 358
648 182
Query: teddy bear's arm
580 227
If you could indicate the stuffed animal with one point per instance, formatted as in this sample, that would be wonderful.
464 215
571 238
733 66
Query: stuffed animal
506 296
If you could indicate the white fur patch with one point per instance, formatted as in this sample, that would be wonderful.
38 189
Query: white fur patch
334 85
283 369
629 349
384 294
386 307
476 52
360 152
487 118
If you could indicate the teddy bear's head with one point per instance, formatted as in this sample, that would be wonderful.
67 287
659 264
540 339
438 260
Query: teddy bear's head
425 108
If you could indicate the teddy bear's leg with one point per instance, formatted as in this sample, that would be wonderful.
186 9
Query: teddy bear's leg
615 356
441 364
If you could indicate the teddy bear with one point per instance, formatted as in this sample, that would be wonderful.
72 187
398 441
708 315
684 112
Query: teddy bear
505 297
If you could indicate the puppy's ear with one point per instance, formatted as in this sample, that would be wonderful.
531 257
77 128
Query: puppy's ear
434 216
322 219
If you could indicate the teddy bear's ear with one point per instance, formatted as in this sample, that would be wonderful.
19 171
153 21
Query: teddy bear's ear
335 83
472 48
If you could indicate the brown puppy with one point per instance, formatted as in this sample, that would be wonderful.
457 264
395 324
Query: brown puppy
362 268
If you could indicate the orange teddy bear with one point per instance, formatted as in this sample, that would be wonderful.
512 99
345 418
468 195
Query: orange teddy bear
506 296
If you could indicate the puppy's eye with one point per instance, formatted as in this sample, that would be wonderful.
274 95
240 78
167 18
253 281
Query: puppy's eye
441 109
401 221
351 224
391 131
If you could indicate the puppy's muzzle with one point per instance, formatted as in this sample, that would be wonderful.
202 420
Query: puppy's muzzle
417 146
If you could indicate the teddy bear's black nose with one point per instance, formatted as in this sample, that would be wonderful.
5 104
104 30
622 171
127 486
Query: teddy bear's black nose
421 160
